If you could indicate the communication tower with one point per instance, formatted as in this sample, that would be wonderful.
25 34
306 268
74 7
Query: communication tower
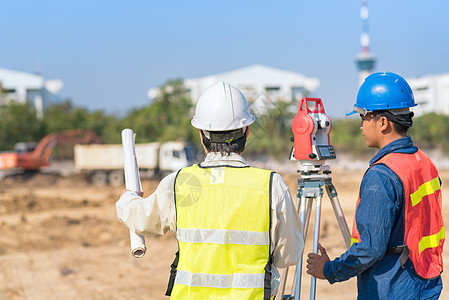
365 60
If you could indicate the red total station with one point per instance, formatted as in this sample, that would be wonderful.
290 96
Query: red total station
311 127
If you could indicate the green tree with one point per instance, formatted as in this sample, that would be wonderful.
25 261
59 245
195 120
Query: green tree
431 131
346 137
18 123
166 118
2 94
271 132
64 116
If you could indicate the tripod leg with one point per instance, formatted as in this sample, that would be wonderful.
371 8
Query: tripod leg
307 216
281 292
305 211
332 193
316 238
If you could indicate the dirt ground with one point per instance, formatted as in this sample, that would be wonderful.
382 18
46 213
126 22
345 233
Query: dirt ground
60 239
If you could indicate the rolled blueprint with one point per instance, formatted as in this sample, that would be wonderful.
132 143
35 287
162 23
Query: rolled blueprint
132 182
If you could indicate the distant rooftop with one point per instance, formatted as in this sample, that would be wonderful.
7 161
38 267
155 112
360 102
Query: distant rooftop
28 87
254 81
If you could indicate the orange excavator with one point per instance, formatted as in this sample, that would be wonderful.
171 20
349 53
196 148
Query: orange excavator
30 157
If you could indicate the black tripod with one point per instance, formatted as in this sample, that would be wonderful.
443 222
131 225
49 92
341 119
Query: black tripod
314 177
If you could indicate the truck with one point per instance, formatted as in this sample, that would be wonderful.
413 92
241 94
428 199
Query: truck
102 164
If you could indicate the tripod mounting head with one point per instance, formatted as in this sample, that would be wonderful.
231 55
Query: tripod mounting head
311 127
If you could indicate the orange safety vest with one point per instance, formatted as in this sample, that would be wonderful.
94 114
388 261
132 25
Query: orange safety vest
424 228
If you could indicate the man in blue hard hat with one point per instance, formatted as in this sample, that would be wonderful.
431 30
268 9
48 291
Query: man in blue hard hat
398 232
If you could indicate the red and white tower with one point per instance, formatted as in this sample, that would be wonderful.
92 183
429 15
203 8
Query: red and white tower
365 60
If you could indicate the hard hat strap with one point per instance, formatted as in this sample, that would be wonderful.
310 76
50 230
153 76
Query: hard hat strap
362 111
226 137
403 119
400 111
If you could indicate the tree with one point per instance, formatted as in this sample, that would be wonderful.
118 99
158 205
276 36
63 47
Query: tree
271 132
346 137
166 118
18 123
431 131
64 116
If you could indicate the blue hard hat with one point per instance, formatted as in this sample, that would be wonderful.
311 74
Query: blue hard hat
383 91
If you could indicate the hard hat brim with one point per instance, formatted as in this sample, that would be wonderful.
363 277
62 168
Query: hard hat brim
351 113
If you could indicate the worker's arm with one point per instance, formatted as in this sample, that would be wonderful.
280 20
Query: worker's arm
152 215
286 231
376 212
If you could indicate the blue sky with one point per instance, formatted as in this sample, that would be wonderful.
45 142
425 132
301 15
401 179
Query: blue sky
109 53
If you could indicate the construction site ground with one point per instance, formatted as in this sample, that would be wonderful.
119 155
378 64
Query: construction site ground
60 239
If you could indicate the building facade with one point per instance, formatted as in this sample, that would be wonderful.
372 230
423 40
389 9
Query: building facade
27 87
431 93
262 86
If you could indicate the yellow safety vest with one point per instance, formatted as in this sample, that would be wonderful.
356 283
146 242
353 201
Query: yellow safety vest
223 232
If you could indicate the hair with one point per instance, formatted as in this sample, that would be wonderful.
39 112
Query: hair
401 123
400 129
236 146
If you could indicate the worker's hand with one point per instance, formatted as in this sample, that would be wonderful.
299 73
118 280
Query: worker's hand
315 263
138 193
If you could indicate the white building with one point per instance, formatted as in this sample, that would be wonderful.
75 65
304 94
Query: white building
431 93
261 85
27 87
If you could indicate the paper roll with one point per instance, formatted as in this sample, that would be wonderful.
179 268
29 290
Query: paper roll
132 182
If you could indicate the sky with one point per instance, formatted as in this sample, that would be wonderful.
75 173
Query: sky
109 53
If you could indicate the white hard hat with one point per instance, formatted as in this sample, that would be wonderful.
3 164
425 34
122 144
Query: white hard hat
222 107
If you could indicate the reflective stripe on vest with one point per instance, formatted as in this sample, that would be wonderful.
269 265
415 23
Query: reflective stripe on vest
431 241
223 223
237 280
221 236
424 229
427 188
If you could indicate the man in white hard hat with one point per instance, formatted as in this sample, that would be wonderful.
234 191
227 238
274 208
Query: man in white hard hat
234 224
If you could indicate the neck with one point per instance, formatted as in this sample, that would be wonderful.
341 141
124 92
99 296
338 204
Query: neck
389 138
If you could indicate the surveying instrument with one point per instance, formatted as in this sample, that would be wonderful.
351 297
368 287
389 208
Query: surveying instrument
311 128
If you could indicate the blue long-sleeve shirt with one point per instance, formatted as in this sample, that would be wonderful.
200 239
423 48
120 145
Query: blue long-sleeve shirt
380 222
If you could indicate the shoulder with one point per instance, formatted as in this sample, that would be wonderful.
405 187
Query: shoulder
380 171
277 178
379 180
279 188
168 181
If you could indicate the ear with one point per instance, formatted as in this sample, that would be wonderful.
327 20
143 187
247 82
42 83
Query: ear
247 132
202 141
383 123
